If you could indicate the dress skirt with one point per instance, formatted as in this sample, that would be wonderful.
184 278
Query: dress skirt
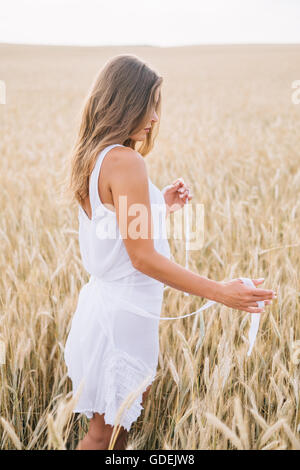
111 350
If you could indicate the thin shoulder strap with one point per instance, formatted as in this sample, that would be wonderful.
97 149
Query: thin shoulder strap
94 177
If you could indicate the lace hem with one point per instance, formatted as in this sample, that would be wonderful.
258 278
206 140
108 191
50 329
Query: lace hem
123 376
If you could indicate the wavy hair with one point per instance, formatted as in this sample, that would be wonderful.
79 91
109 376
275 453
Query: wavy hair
118 105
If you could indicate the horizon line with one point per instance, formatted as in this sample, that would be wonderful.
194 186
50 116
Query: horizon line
150 45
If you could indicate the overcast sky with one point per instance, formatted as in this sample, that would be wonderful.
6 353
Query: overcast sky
149 22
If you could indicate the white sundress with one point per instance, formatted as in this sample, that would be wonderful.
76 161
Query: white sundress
111 347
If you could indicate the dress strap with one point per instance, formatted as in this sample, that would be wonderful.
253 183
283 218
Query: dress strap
94 177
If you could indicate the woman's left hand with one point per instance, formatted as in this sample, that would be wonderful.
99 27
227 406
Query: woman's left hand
175 195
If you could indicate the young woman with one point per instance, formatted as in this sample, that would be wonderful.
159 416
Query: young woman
110 348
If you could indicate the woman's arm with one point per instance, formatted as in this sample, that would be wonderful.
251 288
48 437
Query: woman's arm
173 274
129 182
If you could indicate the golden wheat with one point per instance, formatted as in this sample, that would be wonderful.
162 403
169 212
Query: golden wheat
230 129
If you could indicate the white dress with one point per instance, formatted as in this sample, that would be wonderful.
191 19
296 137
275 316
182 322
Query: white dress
112 347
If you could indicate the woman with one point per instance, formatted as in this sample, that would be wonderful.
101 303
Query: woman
111 349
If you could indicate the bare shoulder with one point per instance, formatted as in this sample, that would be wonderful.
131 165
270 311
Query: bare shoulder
126 156
125 160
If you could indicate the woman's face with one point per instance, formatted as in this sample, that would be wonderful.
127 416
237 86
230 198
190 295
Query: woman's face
142 134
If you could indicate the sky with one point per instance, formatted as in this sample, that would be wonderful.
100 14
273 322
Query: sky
163 23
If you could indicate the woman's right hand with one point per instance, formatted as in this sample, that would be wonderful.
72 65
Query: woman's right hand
235 294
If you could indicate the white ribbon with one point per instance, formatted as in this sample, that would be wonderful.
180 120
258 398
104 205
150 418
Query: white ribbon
255 317
187 235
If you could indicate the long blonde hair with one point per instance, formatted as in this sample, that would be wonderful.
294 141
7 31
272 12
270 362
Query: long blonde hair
118 104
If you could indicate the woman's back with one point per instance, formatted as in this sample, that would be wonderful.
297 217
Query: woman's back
102 248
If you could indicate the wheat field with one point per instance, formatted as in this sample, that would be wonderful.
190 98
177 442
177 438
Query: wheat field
230 128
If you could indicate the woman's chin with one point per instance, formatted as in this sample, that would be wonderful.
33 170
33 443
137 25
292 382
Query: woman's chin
140 138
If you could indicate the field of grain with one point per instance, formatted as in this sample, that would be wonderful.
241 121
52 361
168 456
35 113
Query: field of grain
230 128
